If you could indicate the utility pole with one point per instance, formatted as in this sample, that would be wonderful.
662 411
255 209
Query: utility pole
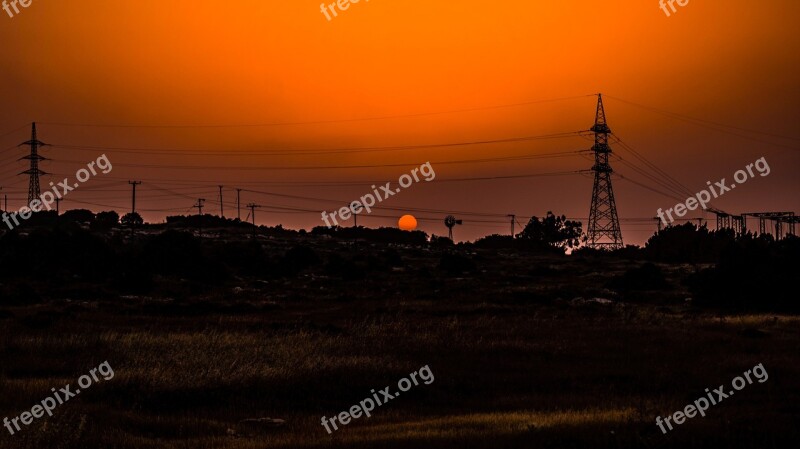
33 186
658 222
199 206
356 207
221 204
133 199
604 230
238 205
513 219
5 197
253 207
58 200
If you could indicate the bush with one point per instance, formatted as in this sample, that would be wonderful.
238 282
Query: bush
346 269
298 259
647 277
757 275
456 264
105 221
688 244
77 216
180 254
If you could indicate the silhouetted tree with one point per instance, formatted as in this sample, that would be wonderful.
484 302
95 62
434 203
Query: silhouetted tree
181 254
438 240
554 231
105 220
132 219
688 243
383 235
78 216
755 274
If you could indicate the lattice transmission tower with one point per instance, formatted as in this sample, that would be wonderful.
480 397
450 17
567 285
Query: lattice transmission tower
603 231
34 157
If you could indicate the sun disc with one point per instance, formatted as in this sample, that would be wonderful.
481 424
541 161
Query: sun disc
407 223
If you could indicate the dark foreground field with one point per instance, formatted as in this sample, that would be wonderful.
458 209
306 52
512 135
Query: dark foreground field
527 352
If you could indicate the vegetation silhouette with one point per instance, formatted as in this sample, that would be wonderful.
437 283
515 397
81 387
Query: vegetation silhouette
85 255
555 231
753 275
132 219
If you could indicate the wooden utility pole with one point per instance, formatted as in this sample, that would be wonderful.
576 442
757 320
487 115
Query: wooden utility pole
253 207
356 207
658 223
199 207
238 205
133 198
221 204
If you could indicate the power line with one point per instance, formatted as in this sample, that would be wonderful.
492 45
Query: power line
719 127
675 114
669 195
499 223
340 167
199 183
319 122
314 151
13 131
668 179
652 178
344 202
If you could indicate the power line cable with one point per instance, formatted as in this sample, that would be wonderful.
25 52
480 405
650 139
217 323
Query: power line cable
313 151
341 167
686 117
719 127
318 122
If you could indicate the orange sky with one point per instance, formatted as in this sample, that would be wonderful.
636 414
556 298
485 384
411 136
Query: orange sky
198 62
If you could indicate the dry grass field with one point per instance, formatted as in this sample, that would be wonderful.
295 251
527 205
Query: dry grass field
519 362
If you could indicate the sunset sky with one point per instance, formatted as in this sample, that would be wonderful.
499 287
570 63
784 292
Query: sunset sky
187 95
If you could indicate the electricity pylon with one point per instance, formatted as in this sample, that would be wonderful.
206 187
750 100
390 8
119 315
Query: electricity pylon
603 231
34 191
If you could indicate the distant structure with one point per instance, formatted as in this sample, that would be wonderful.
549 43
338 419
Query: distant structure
450 221
221 203
34 192
133 195
603 231
356 207
201 202
253 207
238 205
778 218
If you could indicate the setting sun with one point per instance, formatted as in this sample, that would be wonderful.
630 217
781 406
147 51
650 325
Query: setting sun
407 223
